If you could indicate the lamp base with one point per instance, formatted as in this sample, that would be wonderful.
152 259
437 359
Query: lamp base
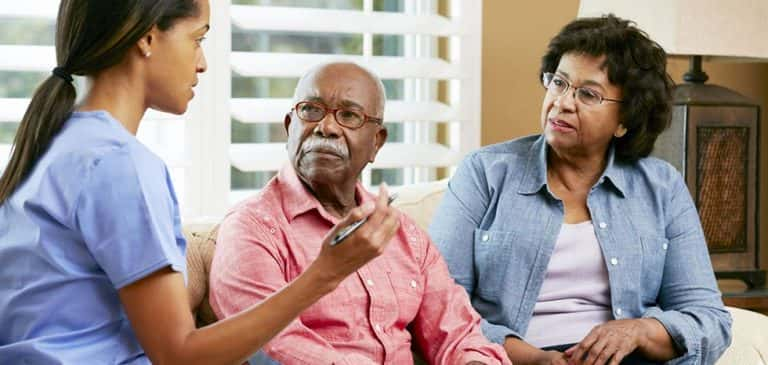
712 141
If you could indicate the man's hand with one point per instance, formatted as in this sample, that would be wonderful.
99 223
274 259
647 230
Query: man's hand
362 246
609 343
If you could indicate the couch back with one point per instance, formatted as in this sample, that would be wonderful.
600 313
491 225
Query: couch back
419 201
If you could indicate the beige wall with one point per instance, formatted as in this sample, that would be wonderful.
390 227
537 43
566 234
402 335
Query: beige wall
514 39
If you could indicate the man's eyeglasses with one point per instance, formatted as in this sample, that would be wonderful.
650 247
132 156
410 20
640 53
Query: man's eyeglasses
556 85
312 112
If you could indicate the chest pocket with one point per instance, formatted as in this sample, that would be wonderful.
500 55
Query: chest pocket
654 256
409 291
502 262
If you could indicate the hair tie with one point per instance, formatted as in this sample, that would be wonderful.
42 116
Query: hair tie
63 74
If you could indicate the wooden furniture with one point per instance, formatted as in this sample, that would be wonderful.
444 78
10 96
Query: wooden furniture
713 141
753 299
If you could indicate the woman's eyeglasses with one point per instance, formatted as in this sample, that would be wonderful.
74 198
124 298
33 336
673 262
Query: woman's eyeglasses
556 85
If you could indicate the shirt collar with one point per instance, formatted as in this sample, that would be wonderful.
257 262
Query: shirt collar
297 199
536 170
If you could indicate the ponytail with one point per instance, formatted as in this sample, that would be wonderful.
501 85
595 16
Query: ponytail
51 105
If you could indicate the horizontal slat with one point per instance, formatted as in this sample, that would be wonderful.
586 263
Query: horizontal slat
257 110
30 9
27 58
13 109
295 19
271 156
294 65
5 155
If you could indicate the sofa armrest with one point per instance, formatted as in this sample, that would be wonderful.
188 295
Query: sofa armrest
750 339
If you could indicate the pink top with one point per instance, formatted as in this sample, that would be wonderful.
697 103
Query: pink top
268 240
575 295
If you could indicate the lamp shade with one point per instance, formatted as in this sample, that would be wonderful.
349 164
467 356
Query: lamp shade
713 28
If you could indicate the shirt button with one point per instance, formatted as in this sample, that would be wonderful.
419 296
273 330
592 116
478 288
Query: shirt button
271 230
413 283
485 237
614 261
369 282
664 246
603 225
618 312
377 327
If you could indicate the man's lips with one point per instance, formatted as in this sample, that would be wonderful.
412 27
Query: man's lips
323 151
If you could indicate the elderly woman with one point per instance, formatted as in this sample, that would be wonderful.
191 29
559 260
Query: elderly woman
575 246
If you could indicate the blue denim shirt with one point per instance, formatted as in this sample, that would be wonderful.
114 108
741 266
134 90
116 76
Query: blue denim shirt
498 223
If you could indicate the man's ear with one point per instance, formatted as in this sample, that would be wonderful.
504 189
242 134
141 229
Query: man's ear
287 122
378 141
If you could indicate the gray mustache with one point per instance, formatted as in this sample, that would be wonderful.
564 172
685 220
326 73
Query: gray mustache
319 143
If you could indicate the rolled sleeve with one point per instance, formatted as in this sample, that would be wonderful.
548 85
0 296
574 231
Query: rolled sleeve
690 304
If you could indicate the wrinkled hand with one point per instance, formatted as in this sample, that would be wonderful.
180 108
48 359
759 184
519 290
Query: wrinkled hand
608 343
365 244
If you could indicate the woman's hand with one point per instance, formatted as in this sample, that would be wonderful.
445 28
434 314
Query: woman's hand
523 353
365 244
609 342
551 358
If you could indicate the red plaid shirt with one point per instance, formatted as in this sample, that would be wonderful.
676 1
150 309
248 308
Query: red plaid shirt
268 240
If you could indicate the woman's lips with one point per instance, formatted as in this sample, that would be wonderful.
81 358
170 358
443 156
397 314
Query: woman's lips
561 125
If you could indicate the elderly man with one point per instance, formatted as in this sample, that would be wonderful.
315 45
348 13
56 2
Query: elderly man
334 130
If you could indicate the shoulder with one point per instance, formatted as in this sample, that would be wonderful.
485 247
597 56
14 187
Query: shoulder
498 165
506 151
257 213
653 175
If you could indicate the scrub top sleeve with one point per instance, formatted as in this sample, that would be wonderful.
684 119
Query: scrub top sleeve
128 218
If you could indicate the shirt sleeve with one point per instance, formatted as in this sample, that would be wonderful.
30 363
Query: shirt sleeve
690 305
127 215
246 269
463 207
446 326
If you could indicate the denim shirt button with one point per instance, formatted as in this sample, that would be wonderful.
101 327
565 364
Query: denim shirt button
618 312
603 225
614 261
485 237
665 246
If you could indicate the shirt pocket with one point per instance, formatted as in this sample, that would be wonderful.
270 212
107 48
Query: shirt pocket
409 291
653 260
501 261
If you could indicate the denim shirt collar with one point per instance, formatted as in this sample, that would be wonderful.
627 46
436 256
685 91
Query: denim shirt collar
536 170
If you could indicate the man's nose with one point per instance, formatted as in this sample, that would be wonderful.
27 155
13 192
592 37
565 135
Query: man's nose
328 127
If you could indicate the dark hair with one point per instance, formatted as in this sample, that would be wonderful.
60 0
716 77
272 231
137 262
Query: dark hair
633 62
91 35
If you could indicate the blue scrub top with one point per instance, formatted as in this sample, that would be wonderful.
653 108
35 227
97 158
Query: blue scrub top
98 212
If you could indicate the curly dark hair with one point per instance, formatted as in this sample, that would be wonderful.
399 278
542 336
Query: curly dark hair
633 62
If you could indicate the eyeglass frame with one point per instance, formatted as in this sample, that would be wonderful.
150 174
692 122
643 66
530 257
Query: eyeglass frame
568 86
366 118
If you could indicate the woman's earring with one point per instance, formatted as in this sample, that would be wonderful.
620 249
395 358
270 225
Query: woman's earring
620 132
147 54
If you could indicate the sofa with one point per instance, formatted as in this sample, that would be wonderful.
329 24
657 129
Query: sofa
419 201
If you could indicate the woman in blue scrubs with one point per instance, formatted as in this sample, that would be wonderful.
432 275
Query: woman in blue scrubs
91 250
